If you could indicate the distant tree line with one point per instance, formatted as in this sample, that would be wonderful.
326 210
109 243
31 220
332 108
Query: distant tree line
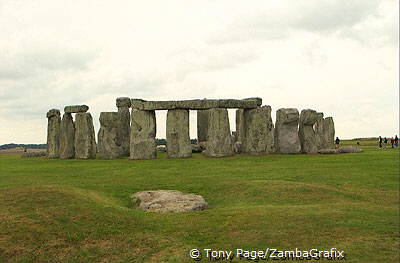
30 146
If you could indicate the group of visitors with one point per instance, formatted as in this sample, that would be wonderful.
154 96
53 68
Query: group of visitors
384 142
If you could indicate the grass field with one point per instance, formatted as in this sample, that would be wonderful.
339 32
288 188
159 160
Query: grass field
79 210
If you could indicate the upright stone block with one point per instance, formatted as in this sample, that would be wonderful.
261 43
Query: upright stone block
53 133
240 131
219 140
108 146
143 134
178 139
123 135
319 130
85 143
286 131
202 125
329 133
258 130
67 137
306 132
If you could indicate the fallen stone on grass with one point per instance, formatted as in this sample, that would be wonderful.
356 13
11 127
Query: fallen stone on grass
344 149
164 201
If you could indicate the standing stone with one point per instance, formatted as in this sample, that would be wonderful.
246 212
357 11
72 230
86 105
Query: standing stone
143 134
178 139
329 133
108 136
240 125
85 143
219 140
123 136
202 125
319 130
67 137
258 131
286 131
306 132
53 133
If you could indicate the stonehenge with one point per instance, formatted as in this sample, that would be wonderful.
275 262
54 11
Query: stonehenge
258 131
85 141
307 136
108 146
286 131
53 133
219 141
143 134
178 139
131 130
67 137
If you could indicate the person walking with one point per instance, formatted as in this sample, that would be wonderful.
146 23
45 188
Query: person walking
396 141
385 142
380 142
392 142
337 141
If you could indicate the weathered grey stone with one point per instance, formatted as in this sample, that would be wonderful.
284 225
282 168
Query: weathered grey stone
319 130
240 125
143 135
286 131
258 130
108 146
196 148
193 104
53 133
306 132
67 137
344 149
53 112
123 131
257 99
161 148
328 139
219 140
76 108
178 139
162 201
85 143
202 125
123 102
349 149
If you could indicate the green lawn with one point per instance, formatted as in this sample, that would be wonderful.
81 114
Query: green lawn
79 210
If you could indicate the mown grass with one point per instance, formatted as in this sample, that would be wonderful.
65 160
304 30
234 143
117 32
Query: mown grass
79 210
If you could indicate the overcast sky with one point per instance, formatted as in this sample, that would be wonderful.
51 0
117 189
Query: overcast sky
339 57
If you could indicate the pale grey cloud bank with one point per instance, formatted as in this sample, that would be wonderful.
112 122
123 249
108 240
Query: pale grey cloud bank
339 57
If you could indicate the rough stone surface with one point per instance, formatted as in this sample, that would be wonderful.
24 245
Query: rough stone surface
258 130
328 138
219 140
193 104
237 147
123 131
178 139
143 135
240 125
306 132
196 148
202 125
108 146
349 149
161 148
319 130
163 201
85 143
76 108
123 102
67 137
344 149
53 134
257 99
286 131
